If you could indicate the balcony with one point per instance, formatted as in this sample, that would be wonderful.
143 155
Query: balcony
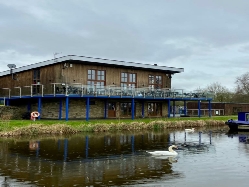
80 90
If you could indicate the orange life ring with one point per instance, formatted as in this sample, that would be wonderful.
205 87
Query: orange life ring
35 114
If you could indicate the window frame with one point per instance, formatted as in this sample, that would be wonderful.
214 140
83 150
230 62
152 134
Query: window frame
155 81
96 78
128 80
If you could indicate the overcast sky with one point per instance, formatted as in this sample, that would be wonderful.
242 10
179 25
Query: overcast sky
208 38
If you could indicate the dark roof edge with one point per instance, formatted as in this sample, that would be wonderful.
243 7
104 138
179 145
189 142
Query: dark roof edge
96 60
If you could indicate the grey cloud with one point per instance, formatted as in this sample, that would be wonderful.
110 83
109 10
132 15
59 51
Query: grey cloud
206 36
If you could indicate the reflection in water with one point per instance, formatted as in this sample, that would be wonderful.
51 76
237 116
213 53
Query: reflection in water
243 136
107 159
97 159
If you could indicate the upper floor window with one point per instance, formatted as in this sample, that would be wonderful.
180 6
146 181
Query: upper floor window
36 80
96 77
155 81
128 80
36 76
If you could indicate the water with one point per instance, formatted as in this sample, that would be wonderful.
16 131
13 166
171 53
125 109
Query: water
211 158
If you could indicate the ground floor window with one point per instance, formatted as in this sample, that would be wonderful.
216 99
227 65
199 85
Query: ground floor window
125 109
155 109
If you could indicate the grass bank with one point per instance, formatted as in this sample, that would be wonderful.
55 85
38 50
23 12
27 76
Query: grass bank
28 127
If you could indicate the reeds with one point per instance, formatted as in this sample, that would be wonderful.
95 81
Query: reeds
36 129
160 124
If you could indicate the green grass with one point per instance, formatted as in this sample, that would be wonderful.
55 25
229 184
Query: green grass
21 123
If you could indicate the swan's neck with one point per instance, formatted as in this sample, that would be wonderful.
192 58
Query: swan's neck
171 150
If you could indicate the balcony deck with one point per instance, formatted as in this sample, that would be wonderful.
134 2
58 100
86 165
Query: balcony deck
77 90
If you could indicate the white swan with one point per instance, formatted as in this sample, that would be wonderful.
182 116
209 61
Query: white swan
171 152
190 130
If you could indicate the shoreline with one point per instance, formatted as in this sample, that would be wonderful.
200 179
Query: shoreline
60 128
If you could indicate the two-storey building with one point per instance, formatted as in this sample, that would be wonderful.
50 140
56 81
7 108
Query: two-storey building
78 87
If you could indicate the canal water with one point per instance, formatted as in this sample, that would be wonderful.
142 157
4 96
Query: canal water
206 157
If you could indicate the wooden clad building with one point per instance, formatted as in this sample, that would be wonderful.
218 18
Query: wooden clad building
78 87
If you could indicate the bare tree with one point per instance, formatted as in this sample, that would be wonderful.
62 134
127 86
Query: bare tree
242 88
220 93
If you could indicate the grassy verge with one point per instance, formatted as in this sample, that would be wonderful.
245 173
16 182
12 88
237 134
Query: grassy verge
28 127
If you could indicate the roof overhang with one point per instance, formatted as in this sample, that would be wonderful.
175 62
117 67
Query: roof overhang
83 59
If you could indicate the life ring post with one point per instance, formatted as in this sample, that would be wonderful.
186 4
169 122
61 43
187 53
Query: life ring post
34 115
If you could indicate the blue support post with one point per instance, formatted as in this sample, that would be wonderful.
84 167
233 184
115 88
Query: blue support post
132 108
60 109
199 108
143 109
185 108
174 108
209 108
39 107
105 108
87 108
7 102
87 146
169 108
65 149
67 107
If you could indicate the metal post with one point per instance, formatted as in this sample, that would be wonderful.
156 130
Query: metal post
39 107
185 108
87 108
199 108
209 108
174 111
132 108
169 108
42 86
54 90
67 107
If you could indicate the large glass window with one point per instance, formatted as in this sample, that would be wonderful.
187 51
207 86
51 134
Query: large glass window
128 80
125 109
155 109
96 78
155 81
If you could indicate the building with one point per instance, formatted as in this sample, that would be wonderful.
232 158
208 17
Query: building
217 108
79 87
